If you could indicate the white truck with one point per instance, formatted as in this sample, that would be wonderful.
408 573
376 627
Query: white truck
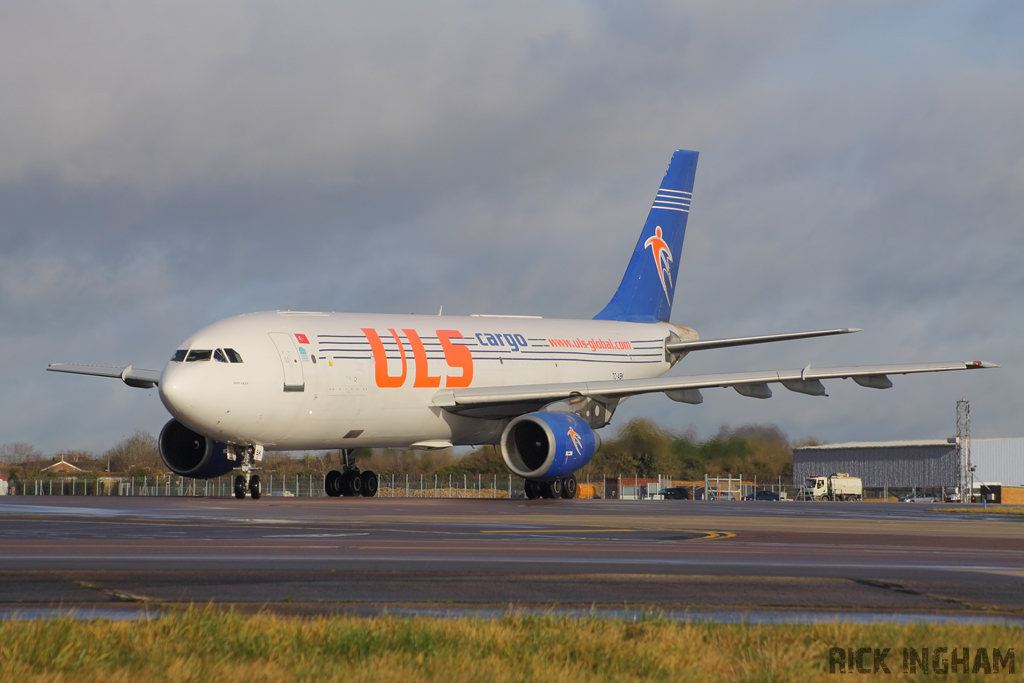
839 486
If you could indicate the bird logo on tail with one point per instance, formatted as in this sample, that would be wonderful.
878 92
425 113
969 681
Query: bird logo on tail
662 259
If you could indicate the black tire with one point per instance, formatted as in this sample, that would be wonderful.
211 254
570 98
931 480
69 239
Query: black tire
254 487
569 487
333 483
240 487
353 484
532 489
369 481
552 489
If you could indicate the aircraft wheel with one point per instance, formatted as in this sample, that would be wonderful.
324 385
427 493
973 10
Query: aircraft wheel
552 489
254 486
240 487
532 489
333 483
351 485
369 481
569 487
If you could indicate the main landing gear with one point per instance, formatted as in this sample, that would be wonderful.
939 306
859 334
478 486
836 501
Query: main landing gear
246 481
350 481
564 487
253 487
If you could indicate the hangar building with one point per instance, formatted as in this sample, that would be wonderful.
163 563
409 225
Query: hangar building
913 464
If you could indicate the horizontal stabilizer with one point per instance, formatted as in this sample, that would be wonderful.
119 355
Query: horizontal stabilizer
138 378
686 346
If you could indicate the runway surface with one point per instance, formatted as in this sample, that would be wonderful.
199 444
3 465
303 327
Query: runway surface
367 555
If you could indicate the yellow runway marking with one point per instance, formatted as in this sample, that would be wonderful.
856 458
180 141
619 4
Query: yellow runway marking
713 535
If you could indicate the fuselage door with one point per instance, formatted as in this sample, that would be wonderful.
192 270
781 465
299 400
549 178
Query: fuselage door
293 380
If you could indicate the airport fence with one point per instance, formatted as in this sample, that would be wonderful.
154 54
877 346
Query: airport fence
391 485
289 486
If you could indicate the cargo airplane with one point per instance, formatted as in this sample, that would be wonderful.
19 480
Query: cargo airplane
286 380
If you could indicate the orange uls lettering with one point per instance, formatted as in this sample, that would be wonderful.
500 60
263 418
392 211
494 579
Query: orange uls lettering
458 356
380 359
419 354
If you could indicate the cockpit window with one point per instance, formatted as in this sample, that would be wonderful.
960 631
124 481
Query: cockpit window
218 356
197 354
233 355
179 355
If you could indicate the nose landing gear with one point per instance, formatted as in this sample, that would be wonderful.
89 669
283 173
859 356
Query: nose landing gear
254 487
246 481
350 481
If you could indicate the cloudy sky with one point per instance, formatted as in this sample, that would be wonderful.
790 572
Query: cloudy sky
165 165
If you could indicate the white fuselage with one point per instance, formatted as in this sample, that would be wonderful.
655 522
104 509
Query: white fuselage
345 380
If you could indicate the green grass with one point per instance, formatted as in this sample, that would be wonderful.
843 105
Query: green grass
992 509
206 645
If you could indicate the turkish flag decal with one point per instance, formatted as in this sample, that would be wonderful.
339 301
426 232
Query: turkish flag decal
302 338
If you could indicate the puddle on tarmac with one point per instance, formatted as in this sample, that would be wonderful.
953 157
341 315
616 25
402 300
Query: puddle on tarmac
686 616
497 612
77 613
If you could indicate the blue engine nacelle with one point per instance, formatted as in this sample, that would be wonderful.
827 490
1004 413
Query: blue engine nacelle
546 446
191 454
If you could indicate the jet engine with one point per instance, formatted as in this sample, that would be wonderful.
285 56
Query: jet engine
546 446
191 454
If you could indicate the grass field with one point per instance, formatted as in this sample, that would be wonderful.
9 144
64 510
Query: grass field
206 645
991 510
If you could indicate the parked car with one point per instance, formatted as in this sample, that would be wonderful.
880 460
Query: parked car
676 493
761 494
920 498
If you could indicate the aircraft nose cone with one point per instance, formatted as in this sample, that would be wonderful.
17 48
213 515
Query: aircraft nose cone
178 390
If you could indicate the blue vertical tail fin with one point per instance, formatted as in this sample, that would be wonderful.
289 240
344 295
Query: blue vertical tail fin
647 288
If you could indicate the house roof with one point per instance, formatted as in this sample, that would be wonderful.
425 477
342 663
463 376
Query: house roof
64 465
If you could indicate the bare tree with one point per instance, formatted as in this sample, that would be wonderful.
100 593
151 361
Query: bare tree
136 452
19 452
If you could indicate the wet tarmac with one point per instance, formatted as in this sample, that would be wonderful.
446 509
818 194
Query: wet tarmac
736 560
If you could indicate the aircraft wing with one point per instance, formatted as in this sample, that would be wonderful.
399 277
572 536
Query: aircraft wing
139 378
508 401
